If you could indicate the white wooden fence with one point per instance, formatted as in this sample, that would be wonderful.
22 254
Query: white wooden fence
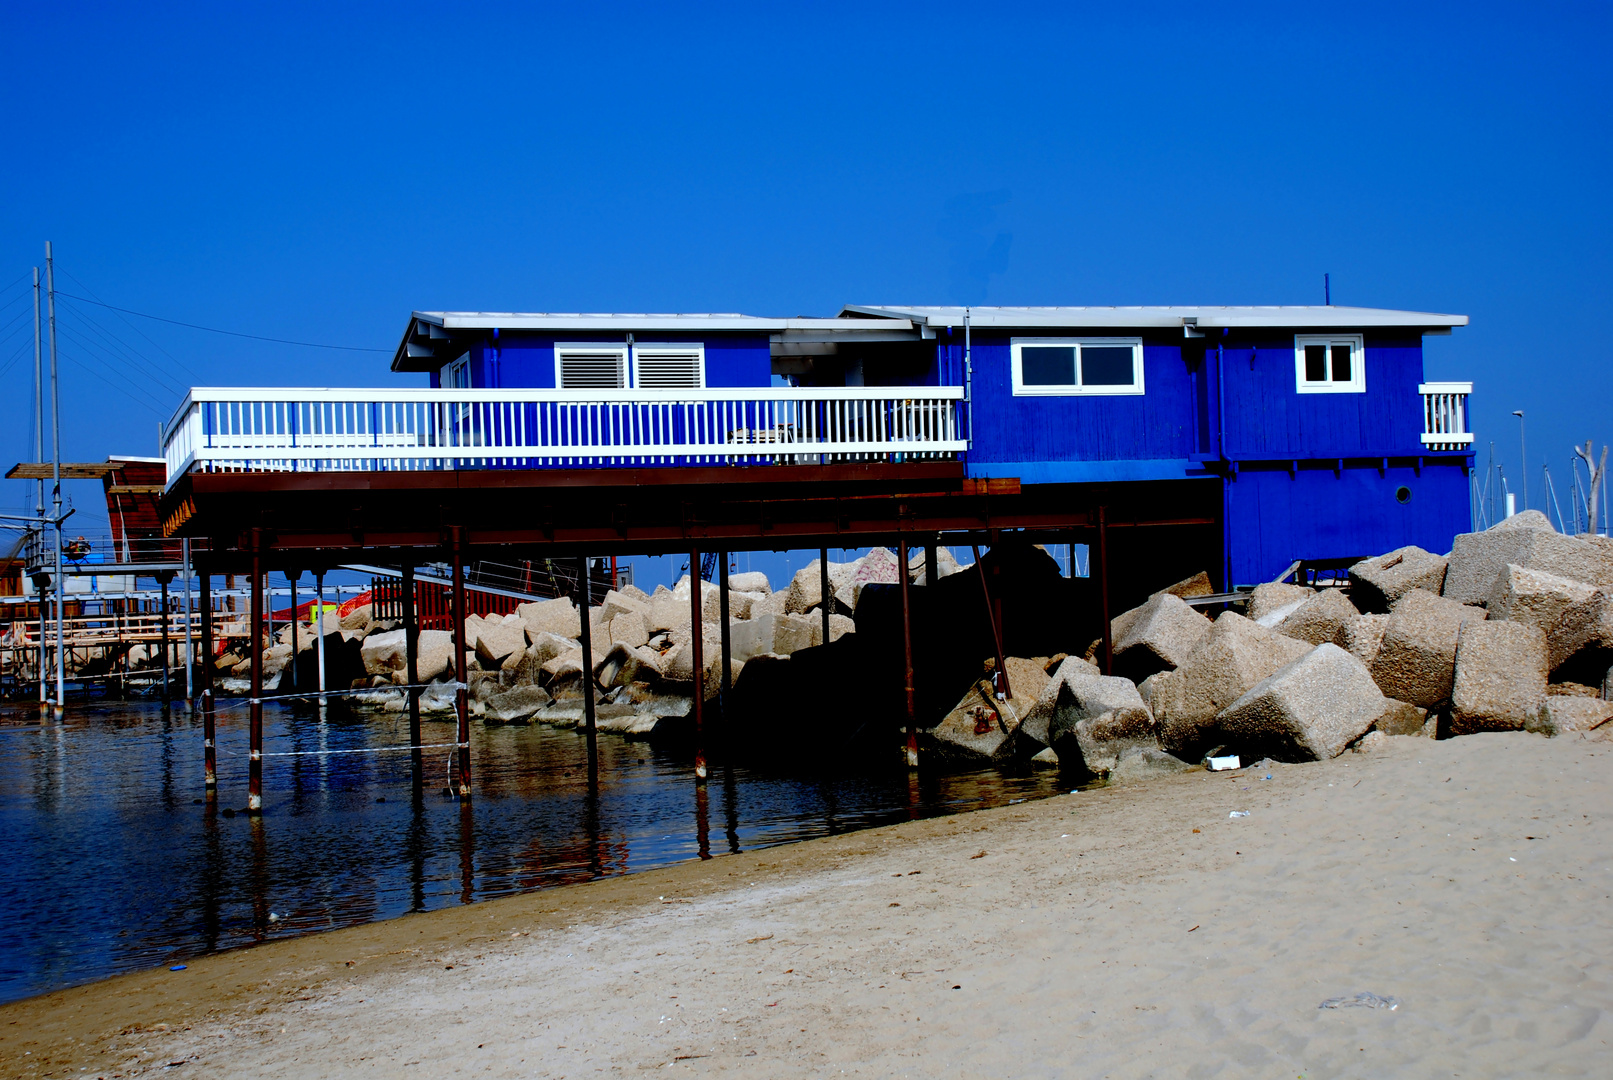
1445 415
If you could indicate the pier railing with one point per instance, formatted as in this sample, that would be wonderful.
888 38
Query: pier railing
285 430
1445 415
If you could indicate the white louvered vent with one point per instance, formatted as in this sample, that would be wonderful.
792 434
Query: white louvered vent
592 371
670 370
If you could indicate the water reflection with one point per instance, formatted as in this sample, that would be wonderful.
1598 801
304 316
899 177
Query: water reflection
114 856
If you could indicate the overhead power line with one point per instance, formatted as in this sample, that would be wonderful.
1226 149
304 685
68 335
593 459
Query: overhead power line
216 330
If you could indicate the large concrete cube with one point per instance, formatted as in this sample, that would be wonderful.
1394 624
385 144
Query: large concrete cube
1416 662
1320 618
1035 722
1564 715
1161 634
516 705
1500 682
383 653
1237 655
1535 597
557 617
982 729
1310 710
630 628
1362 636
779 635
1526 540
1274 601
1098 718
752 581
497 640
1582 635
1377 583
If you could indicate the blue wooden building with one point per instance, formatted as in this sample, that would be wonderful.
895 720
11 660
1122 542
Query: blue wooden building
1310 432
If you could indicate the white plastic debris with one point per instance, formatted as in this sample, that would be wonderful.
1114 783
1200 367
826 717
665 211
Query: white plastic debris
1223 764
1238 814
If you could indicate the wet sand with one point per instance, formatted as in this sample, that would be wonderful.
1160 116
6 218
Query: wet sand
1095 934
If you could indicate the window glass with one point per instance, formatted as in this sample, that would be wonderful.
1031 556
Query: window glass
1107 365
1316 363
1048 365
1341 363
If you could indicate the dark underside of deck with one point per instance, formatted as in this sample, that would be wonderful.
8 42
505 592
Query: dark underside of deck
318 518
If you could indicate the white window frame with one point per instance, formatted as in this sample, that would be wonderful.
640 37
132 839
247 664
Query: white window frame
449 378
1357 383
590 348
668 348
1077 390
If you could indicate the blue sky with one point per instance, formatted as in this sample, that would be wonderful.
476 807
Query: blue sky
316 172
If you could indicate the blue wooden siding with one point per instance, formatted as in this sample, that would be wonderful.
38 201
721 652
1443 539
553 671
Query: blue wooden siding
1275 516
515 360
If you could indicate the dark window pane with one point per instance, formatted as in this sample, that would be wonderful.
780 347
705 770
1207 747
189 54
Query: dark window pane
1047 365
1107 365
1341 363
1316 363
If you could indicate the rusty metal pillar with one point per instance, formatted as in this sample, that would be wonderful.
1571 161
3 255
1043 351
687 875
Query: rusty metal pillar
254 782
584 593
456 540
209 751
825 597
722 615
411 671
167 678
292 577
698 655
1000 677
1102 571
909 697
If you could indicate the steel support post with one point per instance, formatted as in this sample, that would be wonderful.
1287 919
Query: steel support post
461 693
697 640
1102 571
587 636
1000 679
190 649
167 675
722 615
411 652
205 670
909 695
292 577
254 783
319 642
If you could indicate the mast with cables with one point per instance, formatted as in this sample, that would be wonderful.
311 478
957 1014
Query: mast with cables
56 475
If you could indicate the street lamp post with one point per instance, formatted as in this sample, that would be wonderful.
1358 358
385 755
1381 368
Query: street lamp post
1523 451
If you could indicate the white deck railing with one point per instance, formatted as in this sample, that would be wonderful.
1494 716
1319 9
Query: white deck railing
1445 415
308 430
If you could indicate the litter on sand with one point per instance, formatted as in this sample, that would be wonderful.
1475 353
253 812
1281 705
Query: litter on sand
1238 813
1223 764
1362 1000
177 967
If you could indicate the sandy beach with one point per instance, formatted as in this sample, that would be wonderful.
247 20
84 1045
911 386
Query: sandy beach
1133 931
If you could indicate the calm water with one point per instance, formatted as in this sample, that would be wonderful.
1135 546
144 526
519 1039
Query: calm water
109 863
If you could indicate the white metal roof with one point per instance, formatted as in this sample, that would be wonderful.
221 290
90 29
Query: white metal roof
515 320
1287 316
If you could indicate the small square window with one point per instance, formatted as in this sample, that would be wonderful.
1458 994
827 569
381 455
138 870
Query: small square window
1329 364
1077 365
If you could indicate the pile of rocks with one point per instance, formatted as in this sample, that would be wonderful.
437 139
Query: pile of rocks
1512 630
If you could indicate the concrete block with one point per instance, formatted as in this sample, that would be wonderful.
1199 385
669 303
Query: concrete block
1417 659
1401 718
1580 642
1500 680
1377 583
1564 715
1274 601
1535 598
630 628
752 581
1362 636
1162 634
1097 719
1320 618
1236 656
777 634
1036 720
981 729
1138 763
1197 585
558 617
1526 540
434 654
1310 710
516 705
497 641
383 653
619 603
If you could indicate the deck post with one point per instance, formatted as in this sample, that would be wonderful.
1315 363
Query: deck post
698 655
210 760
722 615
411 671
190 649
292 577
1000 677
825 597
254 782
910 700
167 677
1103 590
456 538
932 564
319 642
584 591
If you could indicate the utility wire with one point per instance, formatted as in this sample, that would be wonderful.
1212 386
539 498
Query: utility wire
216 330
155 344
129 389
114 344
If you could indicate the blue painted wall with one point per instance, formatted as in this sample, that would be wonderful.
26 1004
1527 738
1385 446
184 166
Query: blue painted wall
1275 517
520 360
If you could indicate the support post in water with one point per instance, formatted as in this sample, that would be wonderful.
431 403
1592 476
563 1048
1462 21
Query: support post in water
697 645
411 652
190 651
210 759
1102 570
167 677
456 539
292 577
1000 680
254 781
907 656
584 592
722 615
824 595
319 642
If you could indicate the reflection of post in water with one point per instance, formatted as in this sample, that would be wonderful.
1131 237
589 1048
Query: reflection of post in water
590 822
212 875
258 878
730 806
467 849
411 650
702 823
417 847
915 797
